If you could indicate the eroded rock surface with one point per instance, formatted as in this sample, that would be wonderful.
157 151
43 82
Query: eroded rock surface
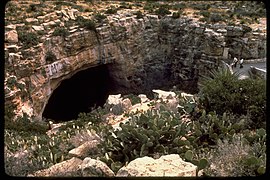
141 53
167 165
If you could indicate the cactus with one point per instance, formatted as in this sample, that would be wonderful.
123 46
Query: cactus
203 163
189 155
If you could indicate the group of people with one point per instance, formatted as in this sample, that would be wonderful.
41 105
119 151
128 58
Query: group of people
235 61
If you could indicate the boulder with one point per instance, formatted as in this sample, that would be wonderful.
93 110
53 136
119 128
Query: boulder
84 149
11 36
143 98
114 99
164 94
126 104
93 167
66 168
167 165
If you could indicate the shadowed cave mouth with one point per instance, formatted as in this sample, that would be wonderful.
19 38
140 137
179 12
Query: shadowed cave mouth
90 88
86 89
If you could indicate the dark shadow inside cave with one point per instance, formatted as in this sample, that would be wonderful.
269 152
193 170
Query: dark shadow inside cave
86 89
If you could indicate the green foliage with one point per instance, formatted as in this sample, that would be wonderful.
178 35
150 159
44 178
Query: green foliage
50 57
86 23
9 112
139 15
240 152
215 17
162 11
100 17
28 39
151 133
111 11
223 92
25 124
176 15
133 98
63 32
200 6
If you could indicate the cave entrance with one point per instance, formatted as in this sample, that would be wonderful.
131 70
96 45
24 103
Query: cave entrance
86 89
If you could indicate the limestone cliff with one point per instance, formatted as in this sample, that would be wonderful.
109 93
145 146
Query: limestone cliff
142 53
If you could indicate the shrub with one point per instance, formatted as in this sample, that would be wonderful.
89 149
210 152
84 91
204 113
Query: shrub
224 92
63 32
200 6
31 8
176 15
50 57
179 6
205 14
162 11
139 15
215 18
111 11
133 98
100 17
86 23
28 39
250 158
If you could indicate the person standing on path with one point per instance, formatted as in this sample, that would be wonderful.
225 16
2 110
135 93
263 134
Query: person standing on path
235 60
241 63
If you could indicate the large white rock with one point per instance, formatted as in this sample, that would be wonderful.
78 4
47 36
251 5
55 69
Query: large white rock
114 99
168 165
164 94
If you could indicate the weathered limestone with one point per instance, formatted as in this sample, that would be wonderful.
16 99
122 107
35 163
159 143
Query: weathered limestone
144 54
167 165
11 36
38 28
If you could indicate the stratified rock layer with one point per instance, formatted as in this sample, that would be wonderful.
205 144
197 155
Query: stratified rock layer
142 54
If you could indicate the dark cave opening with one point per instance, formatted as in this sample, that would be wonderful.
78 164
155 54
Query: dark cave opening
86 89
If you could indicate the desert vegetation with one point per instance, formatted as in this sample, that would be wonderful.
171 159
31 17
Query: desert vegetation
222 132
222 129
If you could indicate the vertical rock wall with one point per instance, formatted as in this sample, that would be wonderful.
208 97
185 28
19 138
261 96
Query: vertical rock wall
143 54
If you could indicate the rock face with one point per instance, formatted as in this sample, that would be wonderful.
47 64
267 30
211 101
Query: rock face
168 165
141 54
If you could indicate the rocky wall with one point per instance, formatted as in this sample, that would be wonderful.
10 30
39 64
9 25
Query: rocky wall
142 54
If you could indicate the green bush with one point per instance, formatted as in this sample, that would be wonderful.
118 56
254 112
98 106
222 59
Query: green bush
139 15
100 17
162 11
215 18
50 57
249 157
28 39
133 98
224 92
200 6
111 11
176 15
86 23
63 32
